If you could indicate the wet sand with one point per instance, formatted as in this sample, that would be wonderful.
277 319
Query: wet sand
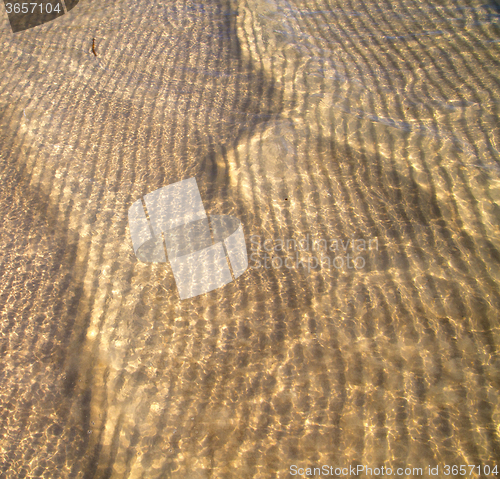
335 121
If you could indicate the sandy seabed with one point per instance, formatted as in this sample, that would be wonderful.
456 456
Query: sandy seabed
346 119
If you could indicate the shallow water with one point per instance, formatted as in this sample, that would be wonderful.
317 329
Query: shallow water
371 122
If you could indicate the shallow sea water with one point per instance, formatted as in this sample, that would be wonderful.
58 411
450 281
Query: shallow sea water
324 122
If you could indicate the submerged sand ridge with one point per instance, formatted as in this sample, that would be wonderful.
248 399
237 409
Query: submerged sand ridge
68 180
332 120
